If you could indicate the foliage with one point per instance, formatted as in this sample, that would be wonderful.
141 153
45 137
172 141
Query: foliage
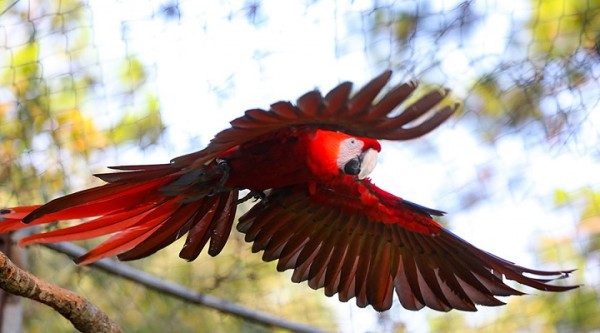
589 225
558 58
561 28
549 54
43 110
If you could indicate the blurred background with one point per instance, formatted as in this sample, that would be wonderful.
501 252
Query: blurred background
88 84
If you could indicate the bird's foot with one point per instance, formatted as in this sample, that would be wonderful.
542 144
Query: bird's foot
256 195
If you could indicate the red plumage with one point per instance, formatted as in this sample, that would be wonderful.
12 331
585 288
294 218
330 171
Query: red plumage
317 214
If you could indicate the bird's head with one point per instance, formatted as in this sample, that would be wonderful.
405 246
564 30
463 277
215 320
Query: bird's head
334 153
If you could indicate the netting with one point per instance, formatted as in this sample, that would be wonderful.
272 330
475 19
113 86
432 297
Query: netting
84 85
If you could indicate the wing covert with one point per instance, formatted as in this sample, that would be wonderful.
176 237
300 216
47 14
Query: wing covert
357 115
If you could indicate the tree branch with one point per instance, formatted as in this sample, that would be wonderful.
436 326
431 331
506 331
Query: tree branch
85 316
175 290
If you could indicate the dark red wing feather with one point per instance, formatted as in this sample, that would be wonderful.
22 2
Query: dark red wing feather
335 100
359 115
353 254
171 230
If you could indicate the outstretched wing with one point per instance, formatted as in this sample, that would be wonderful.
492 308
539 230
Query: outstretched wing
357 115
356 240
150 206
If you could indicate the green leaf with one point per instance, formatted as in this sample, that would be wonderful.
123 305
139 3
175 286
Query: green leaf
143 126
133 73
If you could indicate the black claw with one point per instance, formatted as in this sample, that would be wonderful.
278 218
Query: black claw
200 183
256 195
222 167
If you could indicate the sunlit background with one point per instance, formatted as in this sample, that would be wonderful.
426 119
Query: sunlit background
87 84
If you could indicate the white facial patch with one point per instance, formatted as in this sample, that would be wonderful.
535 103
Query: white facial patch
352 148
349 148
368 163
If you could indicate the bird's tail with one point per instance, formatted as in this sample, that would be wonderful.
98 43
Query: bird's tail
10 218
144 208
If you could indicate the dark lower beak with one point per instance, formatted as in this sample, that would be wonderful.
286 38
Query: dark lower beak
352 167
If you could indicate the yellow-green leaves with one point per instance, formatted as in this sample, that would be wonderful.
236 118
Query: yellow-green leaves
51 118
23 67
133 73
560 27
141 126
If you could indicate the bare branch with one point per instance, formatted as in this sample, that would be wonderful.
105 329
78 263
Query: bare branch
85 316
182 293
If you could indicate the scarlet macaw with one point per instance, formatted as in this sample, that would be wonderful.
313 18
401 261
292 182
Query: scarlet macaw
317 212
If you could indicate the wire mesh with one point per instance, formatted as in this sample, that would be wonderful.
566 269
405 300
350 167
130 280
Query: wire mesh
86 84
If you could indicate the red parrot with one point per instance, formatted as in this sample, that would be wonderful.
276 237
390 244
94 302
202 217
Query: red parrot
316 211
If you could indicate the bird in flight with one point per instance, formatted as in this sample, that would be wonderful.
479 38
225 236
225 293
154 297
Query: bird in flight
315 209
